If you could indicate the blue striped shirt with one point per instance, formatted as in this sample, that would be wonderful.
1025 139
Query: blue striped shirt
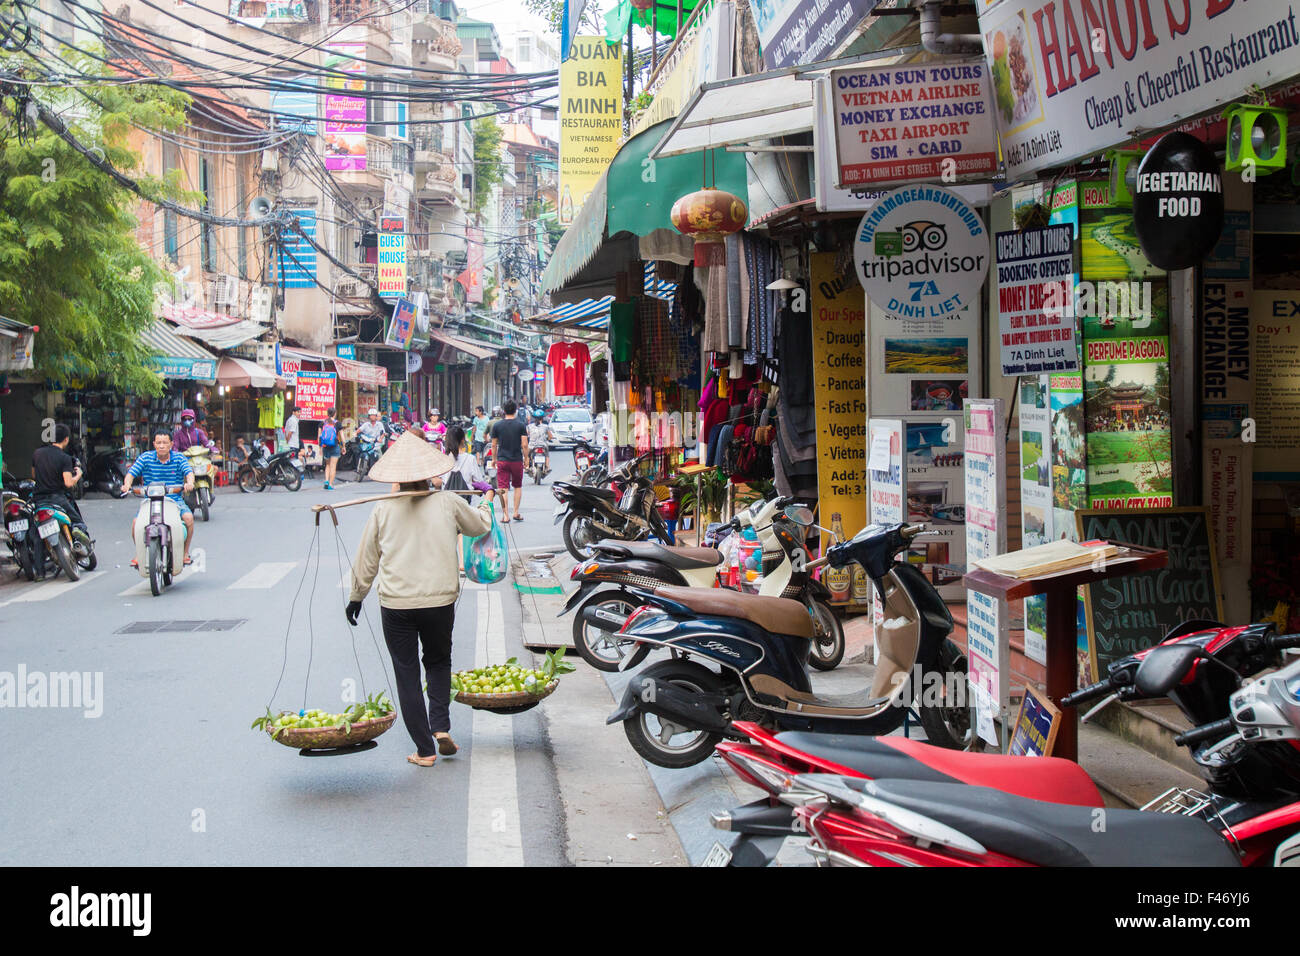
172 472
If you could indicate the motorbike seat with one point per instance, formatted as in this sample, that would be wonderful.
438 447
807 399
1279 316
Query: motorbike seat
683 559
1053 834
897 758
778 615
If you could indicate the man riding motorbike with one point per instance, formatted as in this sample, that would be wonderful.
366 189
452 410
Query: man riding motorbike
189 434
373 431
537 435
56 473
163 466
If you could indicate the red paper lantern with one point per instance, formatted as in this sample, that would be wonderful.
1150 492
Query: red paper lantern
708 216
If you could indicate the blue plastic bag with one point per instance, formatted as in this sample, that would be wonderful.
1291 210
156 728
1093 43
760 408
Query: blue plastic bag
485 556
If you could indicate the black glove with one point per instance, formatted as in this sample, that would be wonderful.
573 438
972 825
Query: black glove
352 610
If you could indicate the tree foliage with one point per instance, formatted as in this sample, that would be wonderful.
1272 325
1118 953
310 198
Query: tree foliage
69 260
487 160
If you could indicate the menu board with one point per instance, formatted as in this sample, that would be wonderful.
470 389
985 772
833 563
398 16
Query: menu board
1131 613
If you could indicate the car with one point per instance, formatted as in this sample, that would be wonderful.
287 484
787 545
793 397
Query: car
568 425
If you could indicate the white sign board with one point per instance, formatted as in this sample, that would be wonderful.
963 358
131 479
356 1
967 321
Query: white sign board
1071 79
1036 506
988 646
888 499
922 252
897 124
1035 271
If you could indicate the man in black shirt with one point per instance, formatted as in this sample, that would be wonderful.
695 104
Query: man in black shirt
56 472
509 449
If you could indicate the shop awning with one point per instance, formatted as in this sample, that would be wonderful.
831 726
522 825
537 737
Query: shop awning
17 341
622 206
239 372
349 370
478 350
226 336
177 357
589 313
744 110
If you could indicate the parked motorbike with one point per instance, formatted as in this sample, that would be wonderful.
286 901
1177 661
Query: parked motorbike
585 455
263 469
591 514
20 528
538 467
1202 692
200 499
893 822
69 547
674 712
159 536
107 472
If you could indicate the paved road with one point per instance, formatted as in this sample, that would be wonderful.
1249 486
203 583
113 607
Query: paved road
170 772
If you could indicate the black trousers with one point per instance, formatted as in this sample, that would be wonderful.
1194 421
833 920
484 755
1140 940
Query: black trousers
421 634
67 504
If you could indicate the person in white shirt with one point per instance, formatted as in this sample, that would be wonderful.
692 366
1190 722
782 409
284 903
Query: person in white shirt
537 430
291 431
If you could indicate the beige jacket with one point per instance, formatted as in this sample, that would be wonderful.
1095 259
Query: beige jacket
409 544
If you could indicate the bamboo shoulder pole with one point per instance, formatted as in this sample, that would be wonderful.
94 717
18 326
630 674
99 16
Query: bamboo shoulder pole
392 494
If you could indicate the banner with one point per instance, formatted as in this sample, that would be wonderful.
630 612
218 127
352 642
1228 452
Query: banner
591 118
794 32
390 275
840 391
401 327
1072 78
345 116
315 394
472 277
299 254
903 124
1036 300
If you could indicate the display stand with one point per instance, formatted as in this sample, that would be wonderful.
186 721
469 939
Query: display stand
694 471
1061 591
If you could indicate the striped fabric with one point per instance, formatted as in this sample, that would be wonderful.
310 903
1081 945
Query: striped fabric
149 470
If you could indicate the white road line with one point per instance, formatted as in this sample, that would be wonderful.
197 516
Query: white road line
44 590
494 834
140 587
265 576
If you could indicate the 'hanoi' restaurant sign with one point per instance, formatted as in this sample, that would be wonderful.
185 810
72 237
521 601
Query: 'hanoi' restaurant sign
1072 78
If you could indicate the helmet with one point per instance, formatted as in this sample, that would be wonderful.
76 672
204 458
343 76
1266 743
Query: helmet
539 412
373 411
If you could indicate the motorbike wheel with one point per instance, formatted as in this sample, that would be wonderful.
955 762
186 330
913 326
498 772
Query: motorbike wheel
248 480
537 476
84 550
828 643
62 554
205 501
653 737
947 721
578 534
35 558
290 477
156 572
602 649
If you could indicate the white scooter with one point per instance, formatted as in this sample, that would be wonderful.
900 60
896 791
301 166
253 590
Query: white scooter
159 535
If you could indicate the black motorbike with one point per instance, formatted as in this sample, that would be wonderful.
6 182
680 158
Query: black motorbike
107 472
675 711
20 527
591 514
263 469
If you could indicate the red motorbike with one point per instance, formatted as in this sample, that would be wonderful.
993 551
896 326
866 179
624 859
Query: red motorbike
1199 669
1249 817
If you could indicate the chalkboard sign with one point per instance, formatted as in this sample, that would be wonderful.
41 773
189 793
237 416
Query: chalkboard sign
1034 731
1130 613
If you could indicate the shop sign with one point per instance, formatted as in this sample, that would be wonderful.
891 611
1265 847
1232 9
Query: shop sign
1036 300
346 351
1276 371
315 394
922 253
345 115
886 439
591 118
1178 202
286 367
200 370
401 326
1037 520
390 275
899 124
988 642
1072 78
794 32
299 262
17 353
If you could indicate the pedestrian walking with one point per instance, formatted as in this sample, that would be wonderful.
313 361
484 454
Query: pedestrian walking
481 424
509 446
329 448
470 472
408 548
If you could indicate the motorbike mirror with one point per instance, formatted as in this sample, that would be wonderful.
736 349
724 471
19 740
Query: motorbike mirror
1164 666
800 515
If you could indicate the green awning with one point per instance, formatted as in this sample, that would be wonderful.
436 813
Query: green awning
616 20
635 197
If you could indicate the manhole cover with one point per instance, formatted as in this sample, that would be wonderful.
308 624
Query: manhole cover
156 627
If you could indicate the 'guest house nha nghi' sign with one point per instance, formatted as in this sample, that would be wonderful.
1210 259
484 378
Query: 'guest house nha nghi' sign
1074 77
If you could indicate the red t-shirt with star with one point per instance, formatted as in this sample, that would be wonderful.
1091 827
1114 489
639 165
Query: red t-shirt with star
568 362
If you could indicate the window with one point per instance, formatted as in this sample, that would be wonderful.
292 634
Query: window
243 252
525 49
207 232
170 241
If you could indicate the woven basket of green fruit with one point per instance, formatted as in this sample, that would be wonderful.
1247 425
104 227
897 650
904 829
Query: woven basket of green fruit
510 688
319 730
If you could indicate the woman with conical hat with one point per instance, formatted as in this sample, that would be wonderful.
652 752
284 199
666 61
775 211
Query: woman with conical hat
408 549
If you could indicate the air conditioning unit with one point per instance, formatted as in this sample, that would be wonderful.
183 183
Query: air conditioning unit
225 292
349 288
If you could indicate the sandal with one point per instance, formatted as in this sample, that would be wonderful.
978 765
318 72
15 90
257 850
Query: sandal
519 517
422 761
188 561
135 564
446 746
505 520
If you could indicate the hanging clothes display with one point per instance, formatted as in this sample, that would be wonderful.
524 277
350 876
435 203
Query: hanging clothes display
270 411
568 362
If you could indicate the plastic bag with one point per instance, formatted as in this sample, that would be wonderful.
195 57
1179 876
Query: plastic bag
485 556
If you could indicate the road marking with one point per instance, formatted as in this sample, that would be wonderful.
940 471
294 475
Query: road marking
44 590
265 576
494 835
141 588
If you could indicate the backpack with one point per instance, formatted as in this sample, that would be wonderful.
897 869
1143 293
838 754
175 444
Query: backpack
454 481
329 436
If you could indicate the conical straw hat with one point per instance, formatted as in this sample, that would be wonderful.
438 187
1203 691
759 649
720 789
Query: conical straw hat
411 459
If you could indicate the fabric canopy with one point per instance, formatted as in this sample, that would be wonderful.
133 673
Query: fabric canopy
226 336
176 356
238 372
479 350
616 20
744 110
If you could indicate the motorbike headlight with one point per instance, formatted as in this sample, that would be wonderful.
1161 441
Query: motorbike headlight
156 491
